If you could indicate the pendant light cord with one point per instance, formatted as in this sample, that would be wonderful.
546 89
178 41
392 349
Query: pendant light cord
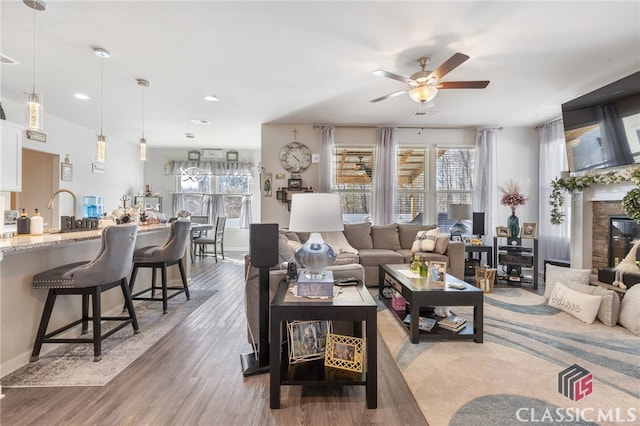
34 52
101 90
143 112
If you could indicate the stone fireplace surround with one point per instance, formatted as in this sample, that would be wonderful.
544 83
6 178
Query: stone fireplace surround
590 211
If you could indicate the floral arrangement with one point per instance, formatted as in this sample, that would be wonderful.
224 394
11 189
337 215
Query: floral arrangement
630 202
511 196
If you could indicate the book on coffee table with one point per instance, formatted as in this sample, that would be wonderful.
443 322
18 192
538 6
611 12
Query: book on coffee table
424 324
453 323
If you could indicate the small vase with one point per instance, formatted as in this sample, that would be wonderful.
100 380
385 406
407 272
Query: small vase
513 223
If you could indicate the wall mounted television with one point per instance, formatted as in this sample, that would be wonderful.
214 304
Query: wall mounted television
602 128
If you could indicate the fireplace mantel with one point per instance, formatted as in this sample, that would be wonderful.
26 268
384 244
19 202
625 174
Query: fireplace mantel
582 219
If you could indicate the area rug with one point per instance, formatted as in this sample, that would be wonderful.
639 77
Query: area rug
513 377
72 364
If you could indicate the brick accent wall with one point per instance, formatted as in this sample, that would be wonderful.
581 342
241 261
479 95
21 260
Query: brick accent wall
600 227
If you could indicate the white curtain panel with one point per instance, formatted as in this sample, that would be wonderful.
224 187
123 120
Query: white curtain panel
553 240
485 192
245 212
325 169
385 176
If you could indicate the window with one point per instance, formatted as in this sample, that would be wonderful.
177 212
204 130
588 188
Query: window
353 181
412 184
455 172
195 187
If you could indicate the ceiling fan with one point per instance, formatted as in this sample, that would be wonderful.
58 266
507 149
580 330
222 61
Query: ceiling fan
424 84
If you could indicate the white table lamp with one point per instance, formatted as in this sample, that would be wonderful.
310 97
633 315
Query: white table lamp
315 212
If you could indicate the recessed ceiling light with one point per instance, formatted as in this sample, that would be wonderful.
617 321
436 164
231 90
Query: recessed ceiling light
211 98
199 121
103 53
190 135
81 96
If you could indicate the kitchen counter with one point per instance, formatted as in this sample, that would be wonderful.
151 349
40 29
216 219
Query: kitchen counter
29 242
21 306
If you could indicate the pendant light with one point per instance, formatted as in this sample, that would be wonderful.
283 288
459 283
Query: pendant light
143 142
34 100
101 152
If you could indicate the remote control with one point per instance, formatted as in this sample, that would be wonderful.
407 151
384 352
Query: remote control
346 281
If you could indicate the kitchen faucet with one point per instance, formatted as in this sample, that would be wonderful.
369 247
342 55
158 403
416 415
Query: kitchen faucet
73 194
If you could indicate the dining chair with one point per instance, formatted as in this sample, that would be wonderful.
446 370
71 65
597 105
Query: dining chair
198 232
218 239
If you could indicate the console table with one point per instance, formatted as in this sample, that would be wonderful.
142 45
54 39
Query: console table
353 304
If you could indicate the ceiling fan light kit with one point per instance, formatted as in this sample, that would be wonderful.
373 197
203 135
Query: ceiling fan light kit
424 84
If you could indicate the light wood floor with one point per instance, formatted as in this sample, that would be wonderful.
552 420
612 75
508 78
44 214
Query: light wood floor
193 376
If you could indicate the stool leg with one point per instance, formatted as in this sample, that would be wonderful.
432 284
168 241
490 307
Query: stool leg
44 322
165 307
85 313
97 327
153 281
134 273
184 279
222 248
128 303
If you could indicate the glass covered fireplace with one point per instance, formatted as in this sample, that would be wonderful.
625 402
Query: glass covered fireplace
623 231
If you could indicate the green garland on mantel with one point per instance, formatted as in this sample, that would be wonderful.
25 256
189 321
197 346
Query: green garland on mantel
630 202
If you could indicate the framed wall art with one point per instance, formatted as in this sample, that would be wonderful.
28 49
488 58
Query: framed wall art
267 179
528 230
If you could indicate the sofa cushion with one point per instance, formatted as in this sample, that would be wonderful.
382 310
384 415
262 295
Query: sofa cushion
359 235
630 311
292 236
346 259
559 273
339 242
581 305
374 257
425 240
442 244
408 233
285 252
385 237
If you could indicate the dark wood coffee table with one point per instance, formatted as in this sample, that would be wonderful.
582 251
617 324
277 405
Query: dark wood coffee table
421 293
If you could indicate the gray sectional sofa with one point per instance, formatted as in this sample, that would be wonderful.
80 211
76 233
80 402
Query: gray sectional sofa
378 244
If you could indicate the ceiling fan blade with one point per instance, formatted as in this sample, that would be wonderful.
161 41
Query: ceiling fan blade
448 65
393 76
481 84
390 95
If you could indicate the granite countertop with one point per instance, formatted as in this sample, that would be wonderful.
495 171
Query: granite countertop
29 242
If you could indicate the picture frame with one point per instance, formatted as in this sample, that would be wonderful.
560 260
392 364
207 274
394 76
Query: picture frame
503 231
307 340
345 352
66 171
193 155
528 230
266 184
232 155
279 194
437 272
456 238
294 184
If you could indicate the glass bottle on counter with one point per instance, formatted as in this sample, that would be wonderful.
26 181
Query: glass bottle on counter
24 223
415 265
37 224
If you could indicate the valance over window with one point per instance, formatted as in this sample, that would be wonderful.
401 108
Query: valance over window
216 168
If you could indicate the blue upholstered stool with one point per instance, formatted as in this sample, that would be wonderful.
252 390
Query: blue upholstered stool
107 270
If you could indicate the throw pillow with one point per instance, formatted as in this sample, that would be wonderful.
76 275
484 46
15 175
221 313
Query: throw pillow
408 233
425 241
442 244
609 311
580 305
339 242
285 253
630 310
559 273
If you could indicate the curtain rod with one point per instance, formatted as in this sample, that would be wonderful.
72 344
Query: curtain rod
366 126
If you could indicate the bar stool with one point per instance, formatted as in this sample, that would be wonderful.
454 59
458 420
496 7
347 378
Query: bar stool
160 257
109 269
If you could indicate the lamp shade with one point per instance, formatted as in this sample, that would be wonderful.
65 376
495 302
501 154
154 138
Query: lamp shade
460 211
423 93
315 212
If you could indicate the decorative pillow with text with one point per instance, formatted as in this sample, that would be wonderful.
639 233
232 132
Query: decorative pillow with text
580 305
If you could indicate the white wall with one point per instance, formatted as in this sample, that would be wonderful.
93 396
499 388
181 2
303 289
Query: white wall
123 170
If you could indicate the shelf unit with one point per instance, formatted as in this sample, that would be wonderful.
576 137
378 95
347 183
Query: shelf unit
157 204
510 262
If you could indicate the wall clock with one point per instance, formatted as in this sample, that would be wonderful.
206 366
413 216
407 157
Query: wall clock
295 157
